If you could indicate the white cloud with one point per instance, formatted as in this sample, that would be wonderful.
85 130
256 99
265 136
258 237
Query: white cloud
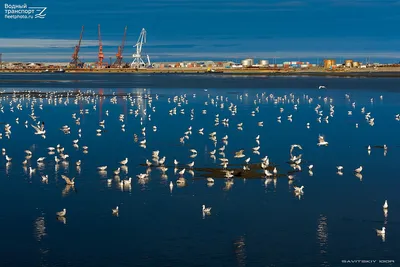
47 43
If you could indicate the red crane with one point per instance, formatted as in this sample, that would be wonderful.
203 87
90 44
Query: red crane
75 62
118 61
100 55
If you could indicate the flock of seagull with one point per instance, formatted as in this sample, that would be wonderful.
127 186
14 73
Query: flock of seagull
141 106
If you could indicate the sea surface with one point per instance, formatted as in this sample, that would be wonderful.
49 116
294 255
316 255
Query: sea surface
254 221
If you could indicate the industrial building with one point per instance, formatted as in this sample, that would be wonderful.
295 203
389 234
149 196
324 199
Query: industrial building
348 63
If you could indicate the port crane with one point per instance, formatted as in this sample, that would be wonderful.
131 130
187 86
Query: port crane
75 62
118 61
100 55
137 58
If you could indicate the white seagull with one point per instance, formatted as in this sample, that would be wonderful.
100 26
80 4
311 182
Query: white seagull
67 180
359 169
206 210
115 211
62 213
124 162
321 141
298 189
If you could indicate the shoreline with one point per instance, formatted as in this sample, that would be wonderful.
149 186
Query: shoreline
381 72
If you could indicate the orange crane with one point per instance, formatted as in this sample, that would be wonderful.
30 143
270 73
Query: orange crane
118 61
100 55
75 62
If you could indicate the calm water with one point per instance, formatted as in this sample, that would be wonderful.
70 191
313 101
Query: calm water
251 224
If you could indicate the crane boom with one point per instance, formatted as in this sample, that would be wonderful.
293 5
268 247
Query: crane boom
80 37
75 62
118 61
123 40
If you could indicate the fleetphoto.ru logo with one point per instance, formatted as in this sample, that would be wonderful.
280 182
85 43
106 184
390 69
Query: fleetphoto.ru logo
13 11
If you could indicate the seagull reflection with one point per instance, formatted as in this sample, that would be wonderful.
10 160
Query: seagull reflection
298 194
40 166
127 187
181 182
124 168
65 164
240 251
228 185
67 190
268 181
103 174
322 233
359 176
214 158
381 233
39 228
43 253
8 166
62 219
143 181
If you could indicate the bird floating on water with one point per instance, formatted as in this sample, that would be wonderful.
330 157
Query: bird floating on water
115 211
205 210
385 205
321 141
62 213
359 169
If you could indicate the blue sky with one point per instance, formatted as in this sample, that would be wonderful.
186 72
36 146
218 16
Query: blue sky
205 29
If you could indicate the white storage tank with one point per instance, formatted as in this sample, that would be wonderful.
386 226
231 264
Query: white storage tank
263 63
248 62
